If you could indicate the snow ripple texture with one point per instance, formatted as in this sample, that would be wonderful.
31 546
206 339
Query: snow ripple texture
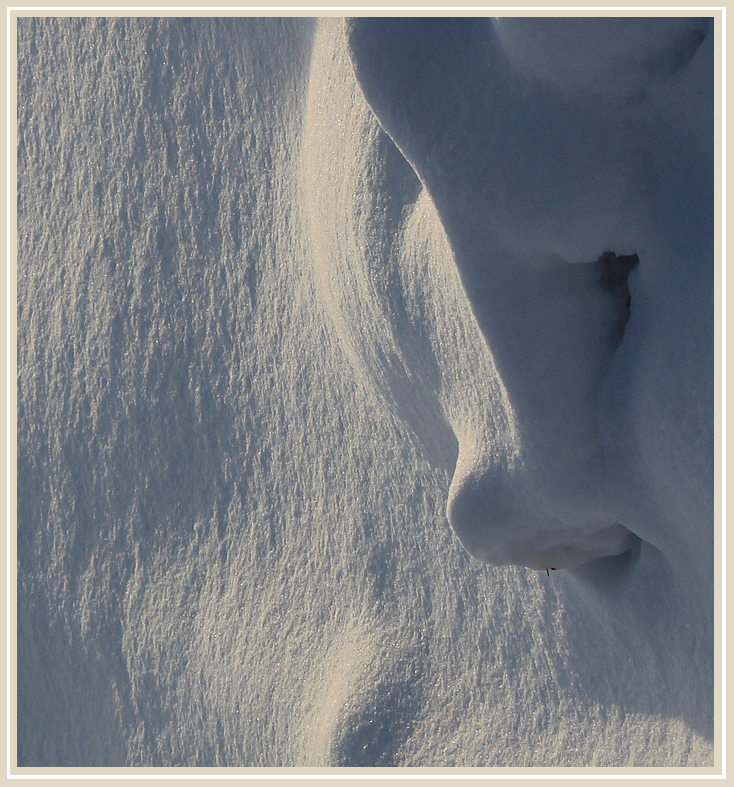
313 371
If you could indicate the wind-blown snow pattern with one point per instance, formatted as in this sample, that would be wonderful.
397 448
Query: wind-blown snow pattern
334 338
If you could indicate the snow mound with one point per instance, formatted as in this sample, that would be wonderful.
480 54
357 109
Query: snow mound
524 451
532 179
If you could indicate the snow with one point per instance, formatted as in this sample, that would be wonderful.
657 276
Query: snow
620 57
317 374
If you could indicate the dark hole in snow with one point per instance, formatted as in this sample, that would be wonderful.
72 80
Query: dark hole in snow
613 273
615 270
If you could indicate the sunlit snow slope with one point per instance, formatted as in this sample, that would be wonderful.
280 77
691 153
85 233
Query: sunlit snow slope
319 358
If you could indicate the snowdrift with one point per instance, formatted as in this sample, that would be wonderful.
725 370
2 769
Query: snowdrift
316 361
542 153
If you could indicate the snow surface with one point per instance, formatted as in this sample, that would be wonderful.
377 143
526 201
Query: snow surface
315 363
